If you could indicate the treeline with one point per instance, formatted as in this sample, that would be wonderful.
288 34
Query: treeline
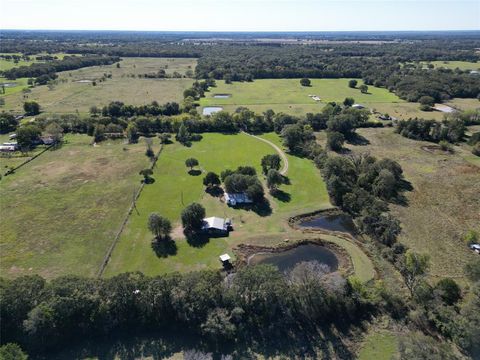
119 109
51 68
452 129
251 305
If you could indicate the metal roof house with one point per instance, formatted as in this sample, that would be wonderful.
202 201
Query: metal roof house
216 225
358 106
233 199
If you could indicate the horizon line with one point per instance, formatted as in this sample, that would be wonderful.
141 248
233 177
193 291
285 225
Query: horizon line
254 31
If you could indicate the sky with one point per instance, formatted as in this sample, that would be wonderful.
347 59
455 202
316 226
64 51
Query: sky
241 15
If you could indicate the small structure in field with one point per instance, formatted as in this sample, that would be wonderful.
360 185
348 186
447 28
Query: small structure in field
225 258
8 148
358 106
216 226
443 108
475 247
233 199
12 136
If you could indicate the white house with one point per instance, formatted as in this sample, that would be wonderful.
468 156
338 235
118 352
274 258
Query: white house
358 106
216 225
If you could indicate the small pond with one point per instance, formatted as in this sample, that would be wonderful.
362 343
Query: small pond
222 96
288 259
332 222
209 110
9 84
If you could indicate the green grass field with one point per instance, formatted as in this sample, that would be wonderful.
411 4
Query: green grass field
69 95
288 95
381 345
462 65
61 211
172 183
9 64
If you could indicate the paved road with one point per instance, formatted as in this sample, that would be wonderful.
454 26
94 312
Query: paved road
277 149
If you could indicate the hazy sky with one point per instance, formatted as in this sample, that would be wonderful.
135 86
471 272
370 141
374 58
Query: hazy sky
241 15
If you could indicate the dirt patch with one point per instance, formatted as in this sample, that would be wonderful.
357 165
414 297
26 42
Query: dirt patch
435 149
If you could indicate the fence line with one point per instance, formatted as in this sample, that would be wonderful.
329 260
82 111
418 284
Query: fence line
125 220
11 171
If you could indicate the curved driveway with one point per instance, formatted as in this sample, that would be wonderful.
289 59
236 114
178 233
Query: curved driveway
277 149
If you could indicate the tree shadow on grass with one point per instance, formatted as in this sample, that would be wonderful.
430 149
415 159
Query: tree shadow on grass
164 247
197 240
194 172
357 139
262 208
215 191
149 180
281 196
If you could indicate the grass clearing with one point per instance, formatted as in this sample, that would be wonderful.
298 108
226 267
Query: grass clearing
379 345
61 211
215 152
444 200
288 95
69 95
462 65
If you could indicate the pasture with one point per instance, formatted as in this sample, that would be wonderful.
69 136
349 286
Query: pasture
174 188
9 64
61 211
287 95
462 65
444 200
74 91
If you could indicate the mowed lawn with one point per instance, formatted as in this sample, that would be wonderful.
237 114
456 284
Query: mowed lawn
61 211
174 188
74 90
288 95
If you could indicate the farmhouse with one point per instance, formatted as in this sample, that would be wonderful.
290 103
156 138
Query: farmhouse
216 225
233 199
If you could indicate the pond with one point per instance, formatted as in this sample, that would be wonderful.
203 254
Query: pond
9 84
332 222
209 110
288 259
222 96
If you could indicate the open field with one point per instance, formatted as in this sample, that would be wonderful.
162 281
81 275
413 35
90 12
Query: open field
289 96
462 65
379 345
70 95
444 201
215 152
9 64
61 211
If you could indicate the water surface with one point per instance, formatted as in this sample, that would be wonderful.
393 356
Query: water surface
209 110
335 222
287 260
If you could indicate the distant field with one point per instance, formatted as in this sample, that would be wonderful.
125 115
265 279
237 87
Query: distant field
174 188
462 65
9 64
444 200
61 211
289 96
70 95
